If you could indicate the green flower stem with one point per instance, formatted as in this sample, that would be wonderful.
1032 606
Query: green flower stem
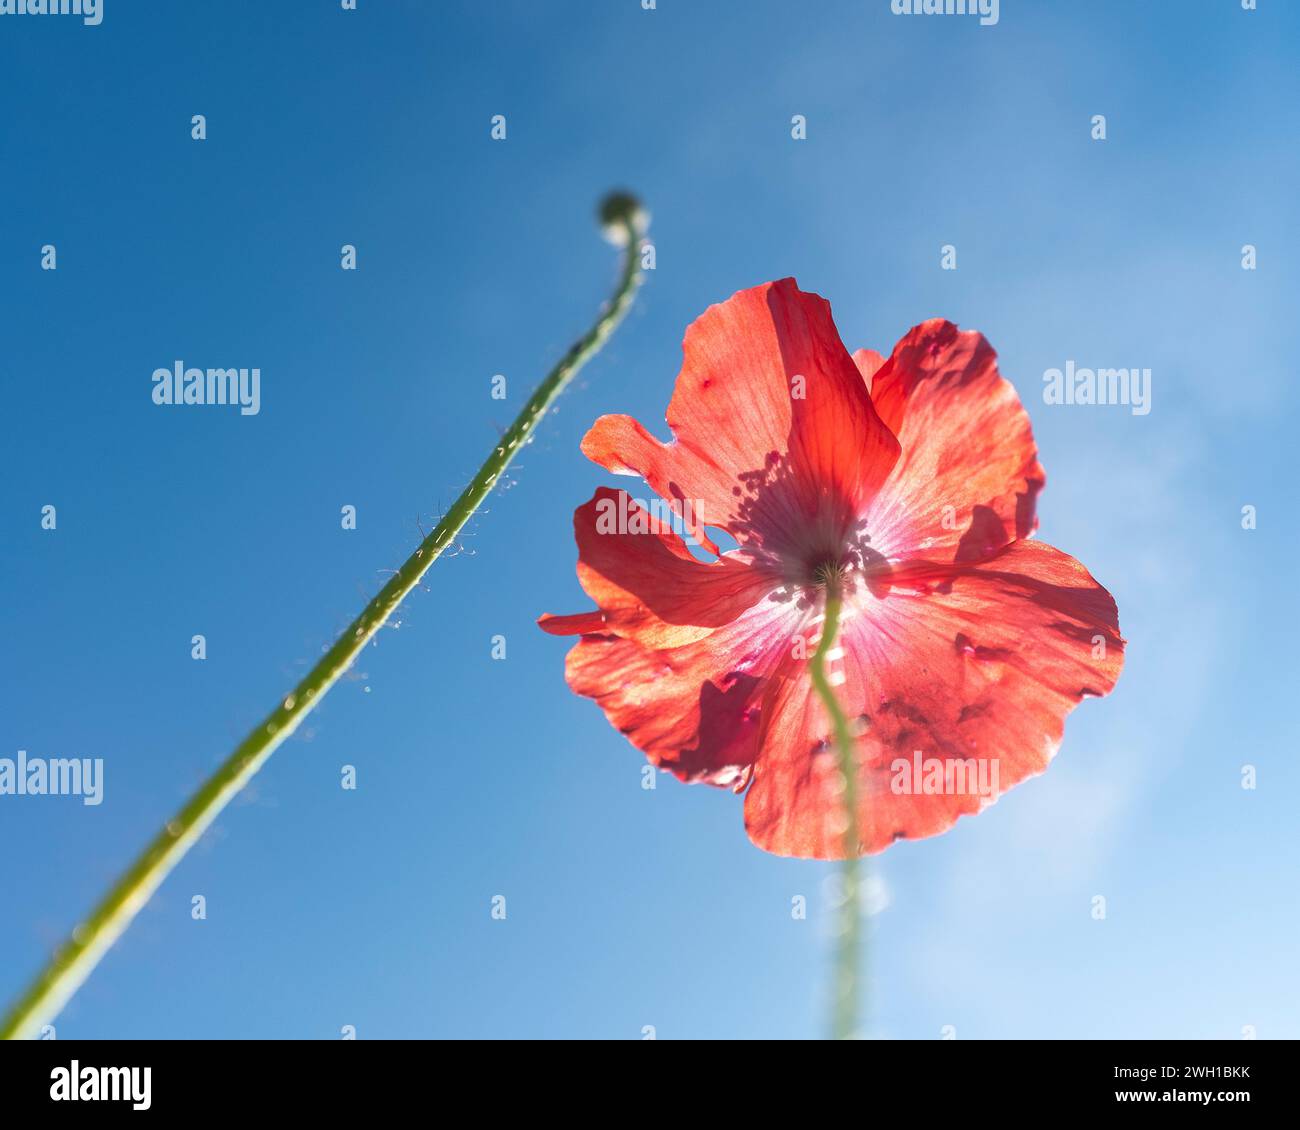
844 1024
69 967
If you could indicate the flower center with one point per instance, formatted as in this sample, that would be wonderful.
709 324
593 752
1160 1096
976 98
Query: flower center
829 572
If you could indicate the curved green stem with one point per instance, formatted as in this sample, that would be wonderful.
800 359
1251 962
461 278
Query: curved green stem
76 959
844 1024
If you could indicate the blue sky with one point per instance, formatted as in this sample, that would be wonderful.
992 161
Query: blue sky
478 778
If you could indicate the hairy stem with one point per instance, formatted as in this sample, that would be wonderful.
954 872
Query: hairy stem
844 1022
74 961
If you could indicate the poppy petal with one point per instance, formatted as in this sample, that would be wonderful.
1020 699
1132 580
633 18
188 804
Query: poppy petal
694 710
975 663
968 477
645 581
775 437
577 624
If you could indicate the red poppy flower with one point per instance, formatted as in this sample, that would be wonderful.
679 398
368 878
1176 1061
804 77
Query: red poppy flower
962 645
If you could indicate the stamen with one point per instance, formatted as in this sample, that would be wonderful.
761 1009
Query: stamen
829 573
